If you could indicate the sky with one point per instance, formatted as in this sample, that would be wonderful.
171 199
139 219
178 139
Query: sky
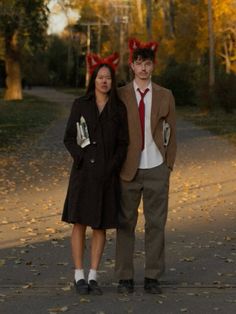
58 19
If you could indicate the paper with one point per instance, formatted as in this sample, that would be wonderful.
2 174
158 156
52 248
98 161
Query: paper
166 133
82 133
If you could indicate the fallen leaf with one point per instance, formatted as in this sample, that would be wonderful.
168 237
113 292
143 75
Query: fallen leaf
229 260
188 259
58 309
124 299
84 300
62 264
51 230
29 285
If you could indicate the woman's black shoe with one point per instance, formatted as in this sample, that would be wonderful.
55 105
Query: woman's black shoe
81 287
94 288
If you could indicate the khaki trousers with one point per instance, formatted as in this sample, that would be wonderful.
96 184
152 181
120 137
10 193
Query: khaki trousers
153 185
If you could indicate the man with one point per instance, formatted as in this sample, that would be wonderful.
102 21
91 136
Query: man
146 171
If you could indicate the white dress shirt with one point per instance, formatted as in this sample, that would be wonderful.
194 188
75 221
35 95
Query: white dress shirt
150 156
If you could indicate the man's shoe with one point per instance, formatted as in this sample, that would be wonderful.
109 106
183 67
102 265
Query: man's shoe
152 286
125 286
94 288
81 287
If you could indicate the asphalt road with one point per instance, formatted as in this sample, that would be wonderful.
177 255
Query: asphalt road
36 269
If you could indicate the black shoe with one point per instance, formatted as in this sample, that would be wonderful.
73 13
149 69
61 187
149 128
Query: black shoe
126 286
152 286
94 288
81 287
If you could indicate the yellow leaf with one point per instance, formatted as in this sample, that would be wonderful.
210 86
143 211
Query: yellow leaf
2 262
51 230
29 285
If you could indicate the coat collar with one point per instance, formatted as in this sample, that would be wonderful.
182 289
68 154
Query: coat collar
156 103
133 108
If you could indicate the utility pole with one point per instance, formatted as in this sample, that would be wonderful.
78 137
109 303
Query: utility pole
121 18
69 55
99 36
88 43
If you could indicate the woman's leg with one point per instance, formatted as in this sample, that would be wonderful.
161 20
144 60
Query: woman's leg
78 244
97 247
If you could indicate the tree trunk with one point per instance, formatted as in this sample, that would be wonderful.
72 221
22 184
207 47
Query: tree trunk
172 18
13 72
139 9
149 19
169 15
211 47
227 59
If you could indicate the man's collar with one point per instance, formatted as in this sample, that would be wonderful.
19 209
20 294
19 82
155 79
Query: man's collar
136 85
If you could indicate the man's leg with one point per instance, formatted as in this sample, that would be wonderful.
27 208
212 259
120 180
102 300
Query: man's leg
155 204
130 199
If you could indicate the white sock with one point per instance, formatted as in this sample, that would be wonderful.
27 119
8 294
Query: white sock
92 275
79 274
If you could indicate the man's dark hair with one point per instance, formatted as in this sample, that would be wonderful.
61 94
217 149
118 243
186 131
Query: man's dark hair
143 54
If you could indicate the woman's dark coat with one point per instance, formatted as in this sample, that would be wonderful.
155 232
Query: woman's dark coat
93 196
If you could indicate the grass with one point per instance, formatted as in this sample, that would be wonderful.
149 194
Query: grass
72 91
218 122
23 120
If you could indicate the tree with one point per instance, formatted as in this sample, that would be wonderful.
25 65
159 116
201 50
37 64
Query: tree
225 25
23 25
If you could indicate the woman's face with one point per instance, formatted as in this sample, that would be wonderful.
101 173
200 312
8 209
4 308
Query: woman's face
103 81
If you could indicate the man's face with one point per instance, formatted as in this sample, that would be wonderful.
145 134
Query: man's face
142 68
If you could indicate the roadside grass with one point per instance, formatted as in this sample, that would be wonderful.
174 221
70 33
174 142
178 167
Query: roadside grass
23 120
77 92
218 122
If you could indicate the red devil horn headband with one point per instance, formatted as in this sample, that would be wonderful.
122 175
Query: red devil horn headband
94 61
135 44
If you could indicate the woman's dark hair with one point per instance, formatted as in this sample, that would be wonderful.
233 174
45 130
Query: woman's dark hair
143 54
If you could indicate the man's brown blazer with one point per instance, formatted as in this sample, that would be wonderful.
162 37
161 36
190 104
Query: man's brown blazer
163 109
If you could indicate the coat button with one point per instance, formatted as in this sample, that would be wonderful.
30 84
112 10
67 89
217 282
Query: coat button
92 161
94 143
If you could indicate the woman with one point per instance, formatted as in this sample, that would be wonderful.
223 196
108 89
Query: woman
93 197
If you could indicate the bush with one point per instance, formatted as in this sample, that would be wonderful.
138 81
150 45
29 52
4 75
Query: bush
180 78
225 91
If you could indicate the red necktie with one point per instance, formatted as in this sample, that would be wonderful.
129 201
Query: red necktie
141 109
